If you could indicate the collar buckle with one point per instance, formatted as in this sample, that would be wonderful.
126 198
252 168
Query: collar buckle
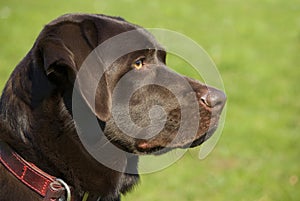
58 190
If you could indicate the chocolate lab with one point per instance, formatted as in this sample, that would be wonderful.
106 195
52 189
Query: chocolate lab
42 155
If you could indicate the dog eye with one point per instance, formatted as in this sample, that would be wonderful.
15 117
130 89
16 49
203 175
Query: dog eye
138 64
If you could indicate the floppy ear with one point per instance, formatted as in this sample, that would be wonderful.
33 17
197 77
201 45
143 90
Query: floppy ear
58 60
60 67
101 104
92 85
52 61
103 100
90 33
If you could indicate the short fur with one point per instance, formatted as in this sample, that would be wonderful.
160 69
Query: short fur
36 109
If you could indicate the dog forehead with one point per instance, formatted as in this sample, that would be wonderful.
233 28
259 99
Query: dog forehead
79 17
108 27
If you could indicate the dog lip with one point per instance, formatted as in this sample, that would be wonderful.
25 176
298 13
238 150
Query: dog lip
143 147
203 138
146 148
198 141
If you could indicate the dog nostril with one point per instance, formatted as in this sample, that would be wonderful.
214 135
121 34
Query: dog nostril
213 98
204 100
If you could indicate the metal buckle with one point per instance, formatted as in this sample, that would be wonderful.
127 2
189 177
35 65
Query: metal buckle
67 189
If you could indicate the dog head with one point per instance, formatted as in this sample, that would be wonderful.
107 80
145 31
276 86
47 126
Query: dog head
145 106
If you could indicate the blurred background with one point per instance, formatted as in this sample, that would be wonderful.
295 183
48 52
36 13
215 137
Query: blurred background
256 47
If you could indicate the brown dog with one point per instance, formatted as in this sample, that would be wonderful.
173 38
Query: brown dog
37 124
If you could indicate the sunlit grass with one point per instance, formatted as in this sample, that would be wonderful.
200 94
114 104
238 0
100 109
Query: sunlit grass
255 45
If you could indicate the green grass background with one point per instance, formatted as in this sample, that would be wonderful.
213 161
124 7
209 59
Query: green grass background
256 47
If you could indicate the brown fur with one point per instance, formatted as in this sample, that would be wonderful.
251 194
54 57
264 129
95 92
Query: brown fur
36 109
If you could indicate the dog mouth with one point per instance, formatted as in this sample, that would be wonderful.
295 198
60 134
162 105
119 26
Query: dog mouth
180 130
144 148
203 138
163 143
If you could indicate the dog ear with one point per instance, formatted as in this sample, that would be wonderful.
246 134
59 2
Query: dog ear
52 61
58 60
102 100
92 86
94 92
60 66
90 33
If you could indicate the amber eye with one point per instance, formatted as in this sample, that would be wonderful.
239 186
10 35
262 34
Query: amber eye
138 64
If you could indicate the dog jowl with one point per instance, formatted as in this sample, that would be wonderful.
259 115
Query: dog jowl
94 68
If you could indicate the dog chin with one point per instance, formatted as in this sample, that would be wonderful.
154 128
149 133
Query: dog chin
203 138
159 150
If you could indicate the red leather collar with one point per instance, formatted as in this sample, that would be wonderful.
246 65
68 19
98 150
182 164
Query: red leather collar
49 187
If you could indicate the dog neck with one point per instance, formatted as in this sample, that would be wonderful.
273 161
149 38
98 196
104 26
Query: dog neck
47 186
44 133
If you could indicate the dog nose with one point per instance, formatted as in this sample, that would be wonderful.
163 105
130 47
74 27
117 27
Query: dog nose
214 98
